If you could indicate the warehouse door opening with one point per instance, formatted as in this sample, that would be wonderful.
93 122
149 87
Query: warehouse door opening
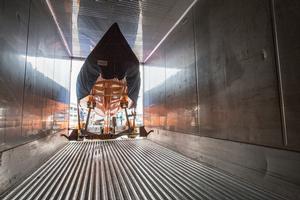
96 121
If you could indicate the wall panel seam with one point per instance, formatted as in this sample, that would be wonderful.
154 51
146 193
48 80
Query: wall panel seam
25 70
279 75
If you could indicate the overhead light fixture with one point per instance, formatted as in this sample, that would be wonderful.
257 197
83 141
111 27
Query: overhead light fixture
171 29
58 27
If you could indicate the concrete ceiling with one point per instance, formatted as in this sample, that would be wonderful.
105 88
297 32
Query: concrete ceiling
144 23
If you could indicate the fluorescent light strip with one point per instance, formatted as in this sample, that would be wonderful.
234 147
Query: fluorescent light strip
58 27
172 28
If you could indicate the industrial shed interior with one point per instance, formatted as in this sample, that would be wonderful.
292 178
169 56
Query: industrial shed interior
220 89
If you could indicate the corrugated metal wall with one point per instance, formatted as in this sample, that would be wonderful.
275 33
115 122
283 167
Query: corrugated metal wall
34 73
217 74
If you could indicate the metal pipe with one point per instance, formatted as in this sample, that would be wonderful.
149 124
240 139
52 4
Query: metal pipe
87 119
127 118
78 118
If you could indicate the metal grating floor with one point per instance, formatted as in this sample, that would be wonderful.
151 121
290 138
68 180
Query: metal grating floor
129 169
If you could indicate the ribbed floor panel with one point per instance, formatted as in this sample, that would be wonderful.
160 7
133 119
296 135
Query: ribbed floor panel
129 169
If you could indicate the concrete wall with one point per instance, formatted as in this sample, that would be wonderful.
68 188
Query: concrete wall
229 71
34 74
